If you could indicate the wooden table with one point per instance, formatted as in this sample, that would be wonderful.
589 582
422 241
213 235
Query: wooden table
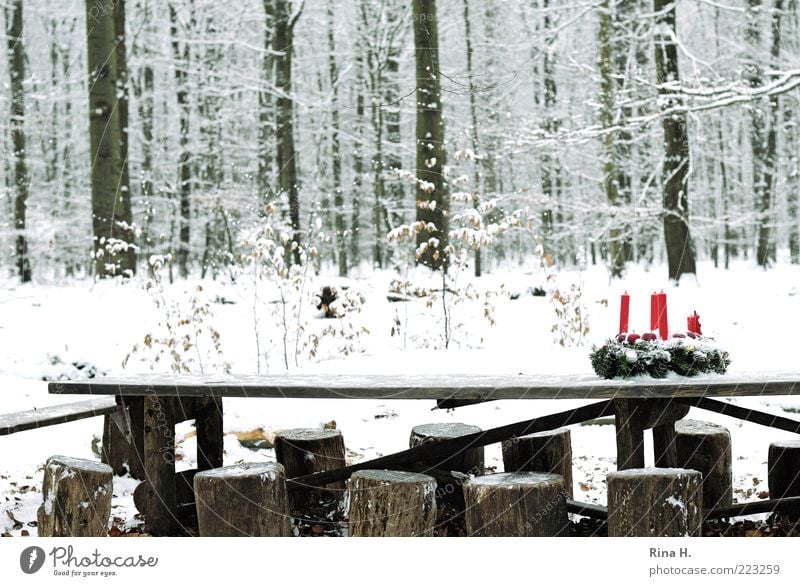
156 403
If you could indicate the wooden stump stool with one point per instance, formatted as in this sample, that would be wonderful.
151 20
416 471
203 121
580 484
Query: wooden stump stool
706 447
783 474
77 498
655 502
307 451
516 504
243 500
546 451
469 461
387 503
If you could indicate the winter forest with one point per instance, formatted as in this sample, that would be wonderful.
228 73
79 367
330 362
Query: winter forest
279 189
382 133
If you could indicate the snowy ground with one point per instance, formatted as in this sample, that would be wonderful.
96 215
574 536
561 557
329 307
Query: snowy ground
44 329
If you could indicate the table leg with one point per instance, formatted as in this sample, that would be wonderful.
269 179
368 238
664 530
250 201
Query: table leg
136 451
664 448
209 435
630 435
159 465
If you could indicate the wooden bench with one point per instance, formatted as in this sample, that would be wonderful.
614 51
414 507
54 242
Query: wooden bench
56 414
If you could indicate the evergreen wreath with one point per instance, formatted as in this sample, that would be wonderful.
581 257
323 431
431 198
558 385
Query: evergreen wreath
633 355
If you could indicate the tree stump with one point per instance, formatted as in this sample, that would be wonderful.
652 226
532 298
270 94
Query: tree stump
783 474
77 498
388 503
516 504
243 500
706 447
546 451
307 451
655 502
468 461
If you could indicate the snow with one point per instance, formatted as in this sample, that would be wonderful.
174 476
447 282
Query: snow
676 502
513 479
45 328
265 471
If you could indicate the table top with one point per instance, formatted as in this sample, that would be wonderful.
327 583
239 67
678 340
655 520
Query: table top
442 386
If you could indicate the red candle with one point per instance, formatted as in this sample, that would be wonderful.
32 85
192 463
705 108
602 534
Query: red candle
654 312
624 310
694 324
663 327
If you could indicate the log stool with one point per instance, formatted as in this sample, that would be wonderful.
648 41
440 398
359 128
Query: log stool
243 500
387 503
546 451
469 461
516 504
706 447
307 451
77 498
655 502
783 474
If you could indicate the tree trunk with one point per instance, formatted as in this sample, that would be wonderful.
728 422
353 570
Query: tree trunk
244 500
16 70
307 451
336 155
551 171
675 171
77 498
763 125
181 63
286 159
394 189
142 87
610 174
111 207
706 447
783 464
655 502
473 129
433 203
358 147
385 503
123 92
793 177
266 122
516 504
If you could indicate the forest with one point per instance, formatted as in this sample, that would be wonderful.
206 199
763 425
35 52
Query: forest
375 134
